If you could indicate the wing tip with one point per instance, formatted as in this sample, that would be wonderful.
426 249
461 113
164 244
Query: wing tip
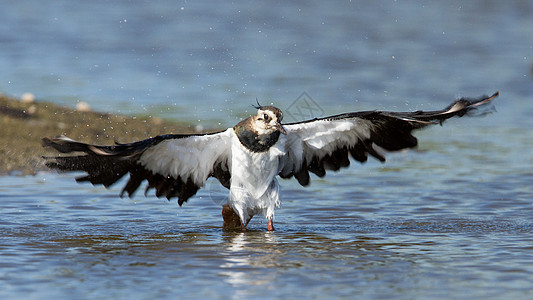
485 99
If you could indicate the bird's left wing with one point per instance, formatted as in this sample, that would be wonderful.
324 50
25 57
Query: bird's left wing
176 165
326 143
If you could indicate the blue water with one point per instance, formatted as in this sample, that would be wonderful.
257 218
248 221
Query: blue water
452 219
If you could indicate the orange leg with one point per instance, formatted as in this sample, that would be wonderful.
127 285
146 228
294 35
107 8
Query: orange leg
243 225
270 226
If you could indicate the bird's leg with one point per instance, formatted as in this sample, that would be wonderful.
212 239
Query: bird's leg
270 226
243 225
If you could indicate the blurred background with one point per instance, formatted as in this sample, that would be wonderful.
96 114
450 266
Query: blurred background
204 61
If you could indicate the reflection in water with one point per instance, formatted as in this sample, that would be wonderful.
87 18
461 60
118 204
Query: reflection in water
253 259
247 258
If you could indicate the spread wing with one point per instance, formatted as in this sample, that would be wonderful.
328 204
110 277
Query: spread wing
326 143
176 165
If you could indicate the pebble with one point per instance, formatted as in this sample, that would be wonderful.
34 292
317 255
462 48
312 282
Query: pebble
27 98
83 106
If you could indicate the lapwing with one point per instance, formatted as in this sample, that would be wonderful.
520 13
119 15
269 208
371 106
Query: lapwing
248 158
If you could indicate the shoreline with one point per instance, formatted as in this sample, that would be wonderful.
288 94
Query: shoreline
24 123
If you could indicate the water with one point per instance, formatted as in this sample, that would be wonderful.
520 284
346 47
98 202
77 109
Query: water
452 219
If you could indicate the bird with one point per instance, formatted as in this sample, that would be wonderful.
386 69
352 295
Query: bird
248 157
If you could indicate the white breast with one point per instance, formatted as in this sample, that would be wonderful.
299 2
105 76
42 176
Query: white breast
254 188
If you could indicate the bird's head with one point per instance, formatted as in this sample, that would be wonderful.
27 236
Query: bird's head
268 120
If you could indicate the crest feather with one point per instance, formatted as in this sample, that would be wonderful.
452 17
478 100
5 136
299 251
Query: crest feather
259 106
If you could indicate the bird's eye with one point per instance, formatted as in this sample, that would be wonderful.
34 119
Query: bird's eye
265 116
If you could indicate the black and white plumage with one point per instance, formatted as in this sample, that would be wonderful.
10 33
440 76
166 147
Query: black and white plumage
248 157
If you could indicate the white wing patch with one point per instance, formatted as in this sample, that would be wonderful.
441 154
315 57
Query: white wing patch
193 156
320 138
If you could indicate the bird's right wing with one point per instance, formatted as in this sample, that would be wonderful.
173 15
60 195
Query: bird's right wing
326 143
176 165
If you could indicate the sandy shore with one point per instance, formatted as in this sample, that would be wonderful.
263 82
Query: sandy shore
24 123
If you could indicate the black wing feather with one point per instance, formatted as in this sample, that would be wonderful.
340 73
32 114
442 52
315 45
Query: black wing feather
107 164
391 131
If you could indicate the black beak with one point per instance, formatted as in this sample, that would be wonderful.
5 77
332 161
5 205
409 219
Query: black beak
280 128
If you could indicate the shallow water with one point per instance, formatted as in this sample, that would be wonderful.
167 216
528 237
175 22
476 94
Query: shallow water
426 225
451 219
